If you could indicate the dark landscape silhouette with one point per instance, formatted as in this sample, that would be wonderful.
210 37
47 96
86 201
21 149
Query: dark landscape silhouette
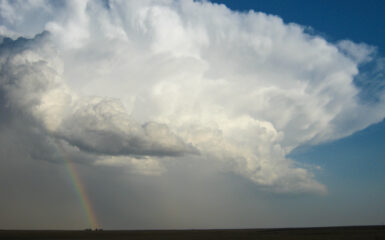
330 233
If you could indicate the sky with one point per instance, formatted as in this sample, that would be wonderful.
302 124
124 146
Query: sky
191 114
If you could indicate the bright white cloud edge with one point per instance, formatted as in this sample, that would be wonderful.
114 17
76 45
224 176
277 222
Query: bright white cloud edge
142 81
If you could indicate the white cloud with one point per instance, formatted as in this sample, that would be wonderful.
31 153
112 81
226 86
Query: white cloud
145 165
359 52
71 31
183 77
32 82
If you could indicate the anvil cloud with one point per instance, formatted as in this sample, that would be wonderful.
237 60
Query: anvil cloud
137 83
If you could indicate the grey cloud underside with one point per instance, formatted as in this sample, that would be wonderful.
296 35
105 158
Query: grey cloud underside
105 133
140 82
99 126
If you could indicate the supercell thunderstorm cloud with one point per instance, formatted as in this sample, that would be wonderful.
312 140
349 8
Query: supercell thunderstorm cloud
141 84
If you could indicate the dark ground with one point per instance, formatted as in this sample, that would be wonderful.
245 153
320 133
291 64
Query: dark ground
329 233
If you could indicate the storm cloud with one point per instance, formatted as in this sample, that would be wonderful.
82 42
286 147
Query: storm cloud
141 83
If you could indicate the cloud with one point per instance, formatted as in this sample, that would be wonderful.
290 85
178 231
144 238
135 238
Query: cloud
32 85
138 82
145 165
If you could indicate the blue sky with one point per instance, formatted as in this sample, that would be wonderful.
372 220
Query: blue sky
353 167
355 20
188 114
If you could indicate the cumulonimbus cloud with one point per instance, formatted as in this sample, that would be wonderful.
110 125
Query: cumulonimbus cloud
125 81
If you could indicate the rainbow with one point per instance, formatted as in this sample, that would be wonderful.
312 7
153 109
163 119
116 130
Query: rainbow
80 190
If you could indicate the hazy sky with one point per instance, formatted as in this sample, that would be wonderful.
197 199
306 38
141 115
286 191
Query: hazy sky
191 114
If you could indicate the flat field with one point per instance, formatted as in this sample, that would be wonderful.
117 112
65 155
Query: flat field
329 233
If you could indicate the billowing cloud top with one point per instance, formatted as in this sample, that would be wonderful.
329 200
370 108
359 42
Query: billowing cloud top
135 83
